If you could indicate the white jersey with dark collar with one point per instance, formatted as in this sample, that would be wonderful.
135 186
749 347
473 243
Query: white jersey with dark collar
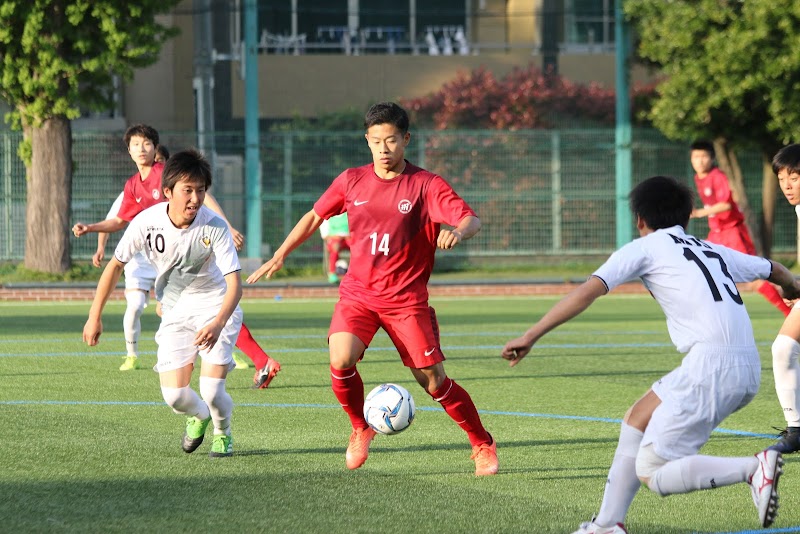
191 263
693 281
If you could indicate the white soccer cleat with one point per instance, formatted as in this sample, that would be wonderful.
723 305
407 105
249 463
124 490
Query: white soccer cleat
764 485
590 527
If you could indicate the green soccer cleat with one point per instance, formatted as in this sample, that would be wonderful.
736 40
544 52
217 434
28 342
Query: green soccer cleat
194 434
240 362
222 446
131 363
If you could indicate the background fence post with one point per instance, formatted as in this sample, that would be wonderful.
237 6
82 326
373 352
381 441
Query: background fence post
555 187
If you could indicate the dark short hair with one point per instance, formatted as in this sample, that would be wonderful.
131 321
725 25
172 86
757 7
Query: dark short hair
702 144
188 165
163 151
662 202
387 113
142 130
787 158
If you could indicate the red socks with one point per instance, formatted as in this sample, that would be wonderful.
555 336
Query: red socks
349 390
251 348
772 295
459 406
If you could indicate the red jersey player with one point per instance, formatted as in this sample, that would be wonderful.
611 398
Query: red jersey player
725 222
395 211
141 191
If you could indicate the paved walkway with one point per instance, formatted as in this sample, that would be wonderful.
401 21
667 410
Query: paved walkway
23 292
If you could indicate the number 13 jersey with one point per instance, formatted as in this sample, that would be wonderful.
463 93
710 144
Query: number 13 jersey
693 281
394 225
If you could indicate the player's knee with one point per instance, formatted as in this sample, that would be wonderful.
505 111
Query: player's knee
179 399
212 389
647 464
784 352
137 300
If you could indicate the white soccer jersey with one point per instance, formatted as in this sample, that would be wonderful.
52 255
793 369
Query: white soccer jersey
191 263
693 281
797 211
139 273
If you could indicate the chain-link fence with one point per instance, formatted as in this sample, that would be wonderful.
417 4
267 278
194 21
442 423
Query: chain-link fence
541 195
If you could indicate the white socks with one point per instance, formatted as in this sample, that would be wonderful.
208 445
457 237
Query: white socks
131 325
219 403
622 483
701 472
184 401
786 370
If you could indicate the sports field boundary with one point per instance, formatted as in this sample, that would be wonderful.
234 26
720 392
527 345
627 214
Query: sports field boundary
83 291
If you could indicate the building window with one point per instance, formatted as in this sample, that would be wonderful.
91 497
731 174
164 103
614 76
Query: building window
588 25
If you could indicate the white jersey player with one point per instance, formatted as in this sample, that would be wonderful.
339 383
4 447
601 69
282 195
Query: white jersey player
199 286
695 284
786 347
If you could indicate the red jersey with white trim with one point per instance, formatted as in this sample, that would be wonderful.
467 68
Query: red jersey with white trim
713 189
139 194
394 225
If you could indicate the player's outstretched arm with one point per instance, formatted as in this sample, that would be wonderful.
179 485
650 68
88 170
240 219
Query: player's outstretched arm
468 227
208 336
570 306
783 277
100 253
305 228
108 281
108 226
211 203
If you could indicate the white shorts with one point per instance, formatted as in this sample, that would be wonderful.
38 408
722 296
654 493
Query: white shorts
140 274
175 338
711 383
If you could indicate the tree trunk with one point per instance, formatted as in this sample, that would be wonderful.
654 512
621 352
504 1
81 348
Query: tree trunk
729 164
769 192
49 197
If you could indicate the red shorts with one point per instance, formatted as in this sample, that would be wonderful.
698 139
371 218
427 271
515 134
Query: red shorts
413 330
737 238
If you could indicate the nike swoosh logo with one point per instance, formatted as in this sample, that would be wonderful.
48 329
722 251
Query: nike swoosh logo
429 352
138 199
359 202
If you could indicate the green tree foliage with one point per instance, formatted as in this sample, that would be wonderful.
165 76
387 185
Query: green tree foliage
731 74
58 57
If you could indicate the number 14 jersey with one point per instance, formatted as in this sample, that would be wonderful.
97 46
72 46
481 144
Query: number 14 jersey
394 225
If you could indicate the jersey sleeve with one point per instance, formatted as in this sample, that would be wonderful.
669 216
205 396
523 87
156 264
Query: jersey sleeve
226 257
744 267
112 212
132 242
628 263
332 200
444 204
129 208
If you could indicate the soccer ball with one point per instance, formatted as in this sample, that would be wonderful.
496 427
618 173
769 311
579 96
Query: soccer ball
341 267
389 409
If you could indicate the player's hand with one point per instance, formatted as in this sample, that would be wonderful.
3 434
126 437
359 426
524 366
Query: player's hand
448 239
791 293
97 258
268 269
515 350
207 337
238 238
79 229
91 331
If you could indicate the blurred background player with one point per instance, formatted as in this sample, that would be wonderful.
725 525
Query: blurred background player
336 234
786 347
141 191
201 313
694 283
395 211
726 224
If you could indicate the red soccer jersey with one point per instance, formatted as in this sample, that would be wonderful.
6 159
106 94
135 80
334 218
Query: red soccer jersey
139 194
712 189
394 225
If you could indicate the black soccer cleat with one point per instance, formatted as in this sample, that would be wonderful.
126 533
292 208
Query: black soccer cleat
789 441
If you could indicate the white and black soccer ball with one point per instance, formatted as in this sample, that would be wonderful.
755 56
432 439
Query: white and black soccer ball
341 267
389 409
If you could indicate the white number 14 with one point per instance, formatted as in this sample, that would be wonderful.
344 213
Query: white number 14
383 246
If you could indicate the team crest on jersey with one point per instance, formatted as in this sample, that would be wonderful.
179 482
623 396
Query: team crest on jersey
156 194
707 191
206 241
405 206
